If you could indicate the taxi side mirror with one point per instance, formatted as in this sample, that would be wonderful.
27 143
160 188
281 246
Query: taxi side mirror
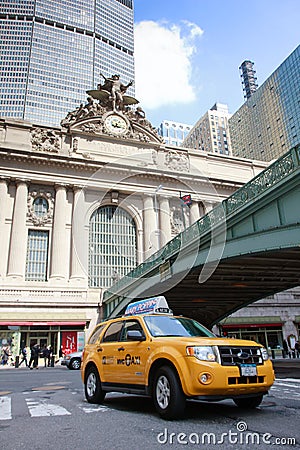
135 335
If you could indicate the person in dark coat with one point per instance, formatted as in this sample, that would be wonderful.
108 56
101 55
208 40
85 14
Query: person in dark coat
46 355
34 356
285 349
5 356
24 356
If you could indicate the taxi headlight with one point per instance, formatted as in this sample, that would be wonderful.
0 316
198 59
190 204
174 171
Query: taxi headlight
264 353
204 353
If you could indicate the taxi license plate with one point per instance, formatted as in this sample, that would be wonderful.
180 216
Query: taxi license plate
248 370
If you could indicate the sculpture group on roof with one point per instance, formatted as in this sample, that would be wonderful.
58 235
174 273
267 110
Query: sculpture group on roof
114 91
109 97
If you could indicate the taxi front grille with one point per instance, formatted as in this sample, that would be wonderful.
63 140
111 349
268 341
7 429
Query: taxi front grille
245 380
233 356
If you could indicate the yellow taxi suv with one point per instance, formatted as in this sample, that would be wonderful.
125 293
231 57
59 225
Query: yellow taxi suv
150 351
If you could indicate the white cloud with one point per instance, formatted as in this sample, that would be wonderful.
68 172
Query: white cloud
163 66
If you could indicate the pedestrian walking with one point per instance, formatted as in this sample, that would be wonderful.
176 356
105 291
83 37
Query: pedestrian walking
5 356
45 354
24 356
61 354
34 357
286 349
51 356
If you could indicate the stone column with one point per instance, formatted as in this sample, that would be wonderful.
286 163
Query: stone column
165 223
18 237
77 239
150 227
3 200
3 237
202 209
59 253
140 252
194 212
208 206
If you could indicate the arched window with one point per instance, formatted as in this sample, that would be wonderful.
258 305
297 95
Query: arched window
112 245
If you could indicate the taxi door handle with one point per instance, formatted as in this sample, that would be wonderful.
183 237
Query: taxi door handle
121 349
99 349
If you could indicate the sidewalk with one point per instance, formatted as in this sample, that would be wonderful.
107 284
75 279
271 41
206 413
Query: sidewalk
40 366
287 367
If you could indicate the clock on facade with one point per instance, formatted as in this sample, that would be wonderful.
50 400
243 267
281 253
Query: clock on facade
116 124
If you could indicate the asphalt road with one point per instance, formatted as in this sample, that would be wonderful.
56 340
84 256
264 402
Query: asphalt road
45 409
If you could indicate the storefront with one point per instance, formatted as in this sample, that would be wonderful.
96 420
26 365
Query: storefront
70 335
270 335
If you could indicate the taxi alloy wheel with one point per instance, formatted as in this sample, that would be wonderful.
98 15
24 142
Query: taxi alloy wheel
92 386
163 392
168 397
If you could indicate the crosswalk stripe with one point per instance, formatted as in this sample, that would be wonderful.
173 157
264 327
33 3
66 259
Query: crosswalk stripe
42 409
5 408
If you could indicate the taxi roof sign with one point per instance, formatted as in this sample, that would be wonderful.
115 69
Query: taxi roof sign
154 305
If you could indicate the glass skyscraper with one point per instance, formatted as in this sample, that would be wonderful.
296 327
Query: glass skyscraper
52 51
268 124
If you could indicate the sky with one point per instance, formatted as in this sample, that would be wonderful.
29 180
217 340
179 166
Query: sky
188 52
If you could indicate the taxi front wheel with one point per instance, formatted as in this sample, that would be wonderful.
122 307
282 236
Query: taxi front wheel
169 400
92 386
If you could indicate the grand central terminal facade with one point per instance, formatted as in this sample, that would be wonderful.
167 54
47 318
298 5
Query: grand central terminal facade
83 204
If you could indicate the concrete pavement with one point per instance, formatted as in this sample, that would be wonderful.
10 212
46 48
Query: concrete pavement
287 368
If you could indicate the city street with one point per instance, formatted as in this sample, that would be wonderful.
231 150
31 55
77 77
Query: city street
46 409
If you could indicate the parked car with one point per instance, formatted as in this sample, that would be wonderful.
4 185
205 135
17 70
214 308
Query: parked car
72 360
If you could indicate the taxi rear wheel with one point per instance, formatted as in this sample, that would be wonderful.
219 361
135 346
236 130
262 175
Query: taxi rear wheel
248 402
92 386
169 400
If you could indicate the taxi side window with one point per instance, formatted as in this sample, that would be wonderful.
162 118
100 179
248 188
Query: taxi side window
95 336
113 332
131 325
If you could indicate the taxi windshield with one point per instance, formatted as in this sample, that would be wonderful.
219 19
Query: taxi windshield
175 326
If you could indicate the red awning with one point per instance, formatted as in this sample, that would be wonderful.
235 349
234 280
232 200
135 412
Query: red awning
22 323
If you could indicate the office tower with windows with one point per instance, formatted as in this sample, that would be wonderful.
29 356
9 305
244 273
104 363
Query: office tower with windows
52 51
267 125
174 133
249 80
211 132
